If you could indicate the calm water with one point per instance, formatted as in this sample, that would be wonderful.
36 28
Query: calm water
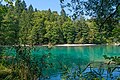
71 56
84 54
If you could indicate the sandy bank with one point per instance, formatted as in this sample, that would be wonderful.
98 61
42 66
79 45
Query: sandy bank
71 45
75 45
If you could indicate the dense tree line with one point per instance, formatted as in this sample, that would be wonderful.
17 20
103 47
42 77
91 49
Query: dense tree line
20 24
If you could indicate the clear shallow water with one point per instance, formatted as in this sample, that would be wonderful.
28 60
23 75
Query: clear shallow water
83 54
71 56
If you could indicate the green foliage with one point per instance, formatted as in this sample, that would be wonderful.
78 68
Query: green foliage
4 71
68 31
22 25
115 59
9 29
104 12
37 31
52 34
116 33
63 13
25 66
82 31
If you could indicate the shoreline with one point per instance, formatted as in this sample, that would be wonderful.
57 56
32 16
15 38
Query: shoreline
69 45
77 45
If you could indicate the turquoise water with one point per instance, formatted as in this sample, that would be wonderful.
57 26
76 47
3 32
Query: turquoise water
83 54
75 55
80 56
71 56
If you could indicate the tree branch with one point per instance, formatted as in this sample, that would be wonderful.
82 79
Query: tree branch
110 16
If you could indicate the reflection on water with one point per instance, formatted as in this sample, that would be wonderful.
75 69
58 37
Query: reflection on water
70 56
78 55
75 55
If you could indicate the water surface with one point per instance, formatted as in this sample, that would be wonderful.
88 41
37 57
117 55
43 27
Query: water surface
85 54
72 56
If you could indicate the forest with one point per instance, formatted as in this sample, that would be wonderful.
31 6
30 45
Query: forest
20 24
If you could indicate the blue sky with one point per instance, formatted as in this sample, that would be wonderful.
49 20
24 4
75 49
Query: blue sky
54 5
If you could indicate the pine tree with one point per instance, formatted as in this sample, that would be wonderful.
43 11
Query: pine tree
63 13
9 28
18 7
23 4
24 28
30 9
36 10
38 30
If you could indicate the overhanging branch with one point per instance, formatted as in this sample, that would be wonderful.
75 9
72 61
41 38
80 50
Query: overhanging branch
112 14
